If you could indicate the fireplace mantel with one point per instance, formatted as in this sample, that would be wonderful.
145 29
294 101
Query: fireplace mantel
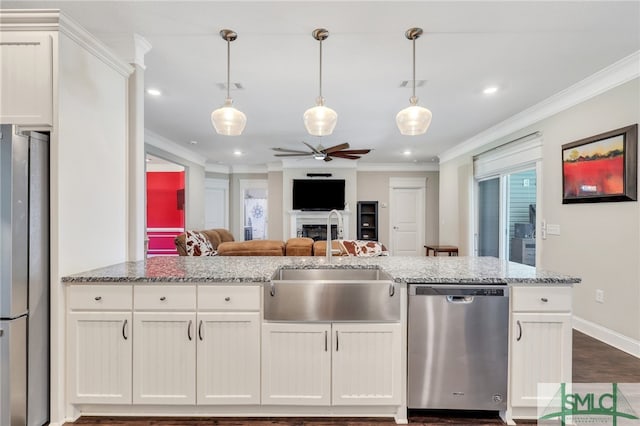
297 218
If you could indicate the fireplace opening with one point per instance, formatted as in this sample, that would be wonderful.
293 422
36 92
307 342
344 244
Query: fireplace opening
319 232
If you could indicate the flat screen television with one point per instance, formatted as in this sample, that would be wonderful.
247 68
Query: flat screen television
318 194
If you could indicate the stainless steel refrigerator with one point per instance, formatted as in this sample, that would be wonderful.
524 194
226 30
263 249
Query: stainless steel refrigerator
24 277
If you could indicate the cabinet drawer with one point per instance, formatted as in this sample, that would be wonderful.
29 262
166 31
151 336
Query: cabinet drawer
100 297
229 298
541 299
164 298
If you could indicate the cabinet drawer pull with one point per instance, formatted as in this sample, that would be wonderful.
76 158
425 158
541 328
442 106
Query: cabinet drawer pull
189 330
200 330
519 331
325 340
162 298
124 329
98 298
226 299
337 342
544 299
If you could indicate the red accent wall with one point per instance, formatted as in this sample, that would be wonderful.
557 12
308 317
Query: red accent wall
165 199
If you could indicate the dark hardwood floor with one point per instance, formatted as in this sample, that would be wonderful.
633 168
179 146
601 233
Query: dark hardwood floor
593 361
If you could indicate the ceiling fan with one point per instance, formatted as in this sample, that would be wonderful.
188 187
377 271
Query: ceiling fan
320 153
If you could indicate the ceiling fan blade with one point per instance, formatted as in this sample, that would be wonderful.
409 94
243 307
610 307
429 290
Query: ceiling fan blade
335 148
315 151
355 151
293 155
347 156
290 150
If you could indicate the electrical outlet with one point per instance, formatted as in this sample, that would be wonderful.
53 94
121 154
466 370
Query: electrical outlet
600 296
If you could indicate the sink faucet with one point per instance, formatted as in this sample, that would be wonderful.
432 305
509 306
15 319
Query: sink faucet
339 233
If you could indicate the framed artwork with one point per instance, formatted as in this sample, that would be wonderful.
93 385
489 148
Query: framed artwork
602 168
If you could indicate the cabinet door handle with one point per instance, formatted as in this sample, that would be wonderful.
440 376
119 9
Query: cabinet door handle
98 298
392 289
189 330
2 332
124 329
162 298
337 342
200 330
325 340
519 331
226 299
544 299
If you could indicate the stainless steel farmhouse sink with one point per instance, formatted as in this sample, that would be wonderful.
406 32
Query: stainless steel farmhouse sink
335 294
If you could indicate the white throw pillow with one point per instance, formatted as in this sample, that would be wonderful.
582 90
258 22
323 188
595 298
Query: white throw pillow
198 244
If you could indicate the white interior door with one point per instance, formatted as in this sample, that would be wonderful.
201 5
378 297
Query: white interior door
216 203
407 216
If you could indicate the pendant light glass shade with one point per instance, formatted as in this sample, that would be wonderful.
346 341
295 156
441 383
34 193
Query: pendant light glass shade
414 119
227 120
320 120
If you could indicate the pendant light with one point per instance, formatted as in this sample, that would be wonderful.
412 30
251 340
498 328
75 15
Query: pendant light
414 119
320 120
228 120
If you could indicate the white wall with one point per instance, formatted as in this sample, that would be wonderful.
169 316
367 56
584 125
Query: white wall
598 242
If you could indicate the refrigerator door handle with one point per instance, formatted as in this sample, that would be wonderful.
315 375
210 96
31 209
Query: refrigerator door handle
124 329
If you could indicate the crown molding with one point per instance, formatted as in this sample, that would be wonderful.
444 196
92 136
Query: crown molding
310 163
606 79
246 168
132 48
172 147
274 166
217 168
399 167
54 20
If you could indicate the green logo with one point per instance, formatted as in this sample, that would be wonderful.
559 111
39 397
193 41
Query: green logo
583 407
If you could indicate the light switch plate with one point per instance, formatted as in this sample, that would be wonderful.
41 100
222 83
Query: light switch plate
553 229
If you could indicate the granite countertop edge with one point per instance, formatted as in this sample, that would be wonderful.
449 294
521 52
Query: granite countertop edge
259 269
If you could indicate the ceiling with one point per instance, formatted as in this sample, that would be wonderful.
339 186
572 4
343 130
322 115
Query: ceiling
529 50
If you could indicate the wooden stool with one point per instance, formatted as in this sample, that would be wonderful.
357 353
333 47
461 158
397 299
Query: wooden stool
451 250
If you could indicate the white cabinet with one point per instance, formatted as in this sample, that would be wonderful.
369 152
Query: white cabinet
331 364
296 364
99 344
228 354
366 364
26 78
540 343
164 357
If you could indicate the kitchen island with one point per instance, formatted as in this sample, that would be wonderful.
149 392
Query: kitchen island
187 336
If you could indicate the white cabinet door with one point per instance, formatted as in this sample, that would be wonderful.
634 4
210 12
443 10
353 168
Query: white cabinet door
228 358
540 353
366 365
296 364
99 357
26 78
164 358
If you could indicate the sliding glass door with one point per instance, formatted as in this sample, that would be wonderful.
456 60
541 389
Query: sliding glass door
506 216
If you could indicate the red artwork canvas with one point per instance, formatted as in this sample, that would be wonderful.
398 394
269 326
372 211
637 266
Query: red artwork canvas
601 168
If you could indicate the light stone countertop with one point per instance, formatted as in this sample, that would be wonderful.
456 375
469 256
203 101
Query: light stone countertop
251 269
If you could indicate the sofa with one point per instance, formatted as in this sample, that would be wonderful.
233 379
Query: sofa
220 242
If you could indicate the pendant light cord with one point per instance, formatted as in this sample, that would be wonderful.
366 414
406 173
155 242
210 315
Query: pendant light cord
320 68
414 67
229 67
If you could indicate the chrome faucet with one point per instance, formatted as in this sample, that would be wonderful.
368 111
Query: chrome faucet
330 251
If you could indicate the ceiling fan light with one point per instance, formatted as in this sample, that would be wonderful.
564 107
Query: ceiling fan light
320 120
227 120
414 119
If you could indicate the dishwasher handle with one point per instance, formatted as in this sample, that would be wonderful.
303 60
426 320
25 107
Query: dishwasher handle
460 299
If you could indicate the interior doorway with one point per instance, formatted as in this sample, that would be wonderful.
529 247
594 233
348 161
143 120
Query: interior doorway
165 208
407 216
253 208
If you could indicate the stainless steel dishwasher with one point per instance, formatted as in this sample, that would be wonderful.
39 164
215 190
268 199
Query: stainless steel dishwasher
457 346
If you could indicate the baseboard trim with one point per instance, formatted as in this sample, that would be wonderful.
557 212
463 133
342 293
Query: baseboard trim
608 336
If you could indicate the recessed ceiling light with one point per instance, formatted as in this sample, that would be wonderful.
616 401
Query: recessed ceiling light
148 160
237 152
154 92
406 152
193 142
490 90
